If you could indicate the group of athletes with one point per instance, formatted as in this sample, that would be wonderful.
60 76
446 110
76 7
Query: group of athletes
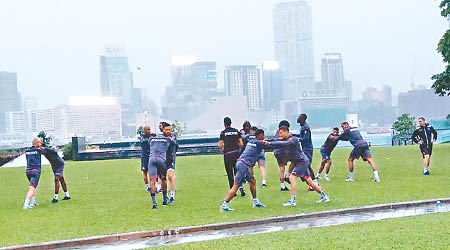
241 150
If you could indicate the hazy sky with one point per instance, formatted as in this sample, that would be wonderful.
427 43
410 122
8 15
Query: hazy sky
54 45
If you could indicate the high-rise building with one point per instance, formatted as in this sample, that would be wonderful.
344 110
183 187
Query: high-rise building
16 122
116 80
193 88
43 120
244 80
272 85
10 98
372 96
292 23
333 81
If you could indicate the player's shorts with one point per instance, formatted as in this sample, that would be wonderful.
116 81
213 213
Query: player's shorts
58 171
261 159
156 167
33 178
325 155
361 151
170 166
301 169
242 173
309 153
144 164
426 149
281 156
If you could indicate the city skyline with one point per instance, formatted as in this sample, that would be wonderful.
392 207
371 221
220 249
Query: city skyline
371 59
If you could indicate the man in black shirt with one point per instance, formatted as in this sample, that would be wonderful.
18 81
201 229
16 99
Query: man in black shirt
230 141
425 135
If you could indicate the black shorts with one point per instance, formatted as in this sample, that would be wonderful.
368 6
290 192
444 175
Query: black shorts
301 169
426 150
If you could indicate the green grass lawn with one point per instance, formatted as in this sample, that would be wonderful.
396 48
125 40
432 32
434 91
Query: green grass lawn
109 197
420 232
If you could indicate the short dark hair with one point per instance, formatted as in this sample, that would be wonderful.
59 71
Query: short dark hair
304 115
227 121
254 128
344 123
246 123
336 128
284 123
165 124
284 127
259 131
421 118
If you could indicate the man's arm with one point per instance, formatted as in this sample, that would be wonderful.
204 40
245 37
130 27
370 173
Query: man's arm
415 136
240 143
433 131
220 144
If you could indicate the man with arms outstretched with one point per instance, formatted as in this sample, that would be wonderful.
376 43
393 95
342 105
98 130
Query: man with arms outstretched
300 163
33 172
360 149
245 161
57 164
425 136
281 157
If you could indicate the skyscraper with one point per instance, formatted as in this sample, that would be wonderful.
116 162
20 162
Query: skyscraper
10 98
244 80
272 85
116 80
193 86
293 39
332 72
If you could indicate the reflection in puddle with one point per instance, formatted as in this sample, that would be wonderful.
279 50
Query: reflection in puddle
296 224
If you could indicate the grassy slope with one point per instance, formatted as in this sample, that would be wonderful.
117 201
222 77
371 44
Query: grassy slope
421 232
108 196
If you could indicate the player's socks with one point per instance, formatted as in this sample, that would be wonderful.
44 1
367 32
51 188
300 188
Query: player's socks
33 202
153 199
263 182
26 204
282 185
55 197
375 174
425 170
165 202
318 176
66 194
350 175
293 198
147 187
172 193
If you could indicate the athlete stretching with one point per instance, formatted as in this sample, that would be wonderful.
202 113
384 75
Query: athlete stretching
33 172
157 162
245 161
301 165
326 150
360 149
170 165
261 159
425 135
57 164
145 147
281 157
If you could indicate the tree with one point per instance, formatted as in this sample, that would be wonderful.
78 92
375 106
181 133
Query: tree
44 138
140 131
404 126
178 128
441 83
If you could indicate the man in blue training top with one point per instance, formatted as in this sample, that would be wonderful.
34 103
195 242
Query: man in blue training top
425 136
57 164
325 151
245 161
360 149
157 162
281 157
306 141
300 163
261 159
170 165
33 172
145 153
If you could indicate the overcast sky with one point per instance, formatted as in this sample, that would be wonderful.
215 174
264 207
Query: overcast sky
54 45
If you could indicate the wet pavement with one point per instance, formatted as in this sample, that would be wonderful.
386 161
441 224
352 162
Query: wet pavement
297 224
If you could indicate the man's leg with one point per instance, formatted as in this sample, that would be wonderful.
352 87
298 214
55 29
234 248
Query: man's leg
316 187
55 197
327 170
229 168
350 170
262 170
293 200
145 175
372 164
322 165
153 180
172 183
164 188
426 163
281 175
231 193
30 194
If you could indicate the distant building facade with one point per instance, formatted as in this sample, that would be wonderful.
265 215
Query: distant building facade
272 79
16 122
293 38
244 80
10 98
424 102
